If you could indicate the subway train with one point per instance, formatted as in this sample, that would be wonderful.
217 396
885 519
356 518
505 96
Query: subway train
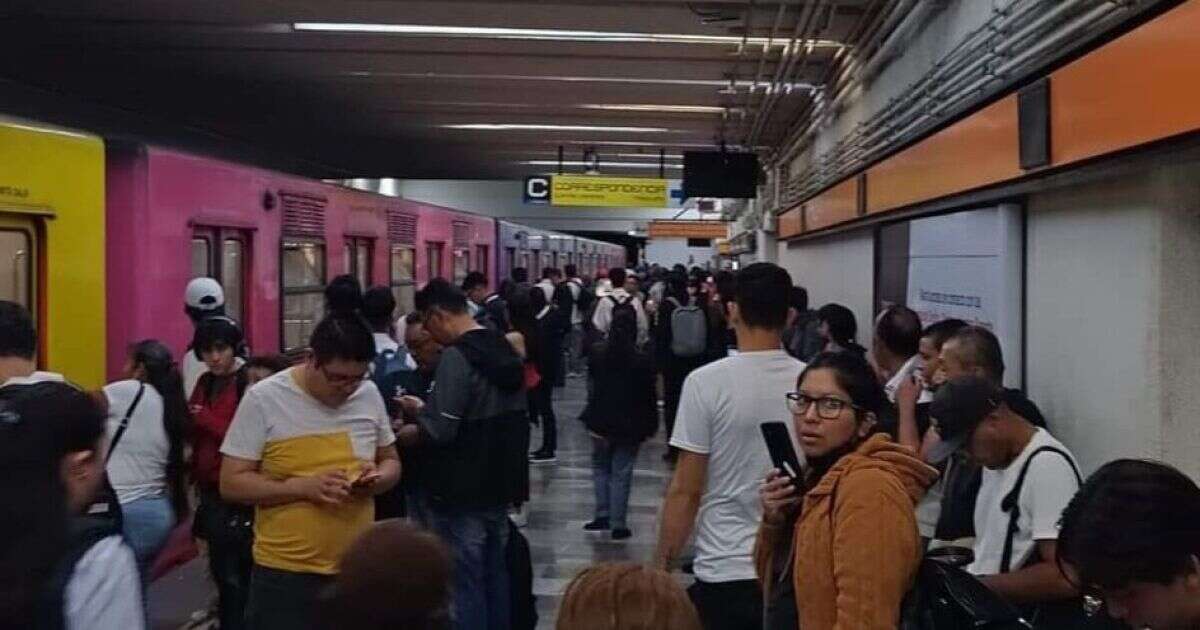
100 238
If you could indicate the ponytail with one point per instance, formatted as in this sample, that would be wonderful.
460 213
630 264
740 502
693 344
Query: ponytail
163 375
343 333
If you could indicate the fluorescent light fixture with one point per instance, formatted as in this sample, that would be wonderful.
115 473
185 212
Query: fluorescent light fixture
552 34
602 164
649 156
727 86
530 127
671 109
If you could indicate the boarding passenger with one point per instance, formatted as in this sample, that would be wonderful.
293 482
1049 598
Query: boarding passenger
843 550
148 419
621 413
619 298
226 527
838 328
680 344
547 357
18 348
394 576
476 427
203 299
1130 539
310 447
551 278
1028 479
489 309
582 300
800 338
625 597
896 348
722 455
413 497
59 568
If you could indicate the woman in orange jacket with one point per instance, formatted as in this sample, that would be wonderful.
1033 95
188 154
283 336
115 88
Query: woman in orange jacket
840 552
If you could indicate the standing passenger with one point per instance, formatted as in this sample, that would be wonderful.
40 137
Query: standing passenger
722 455
581 301
619 298
18 348
146 430
203 299
489 309
621 414
838 328
310 447
548 361
676 367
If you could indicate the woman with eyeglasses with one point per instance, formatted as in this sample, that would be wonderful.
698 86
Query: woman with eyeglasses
838 548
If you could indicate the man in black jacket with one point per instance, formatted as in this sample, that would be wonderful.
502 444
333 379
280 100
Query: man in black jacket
489 309
474 425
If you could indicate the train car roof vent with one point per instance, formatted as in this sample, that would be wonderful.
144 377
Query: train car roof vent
303 214
402 227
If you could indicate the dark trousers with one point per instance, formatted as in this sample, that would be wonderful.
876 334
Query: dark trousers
283 600
675 372
728 605
230 558
541 409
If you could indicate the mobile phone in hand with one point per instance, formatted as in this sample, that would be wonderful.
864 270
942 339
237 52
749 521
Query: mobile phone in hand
783 452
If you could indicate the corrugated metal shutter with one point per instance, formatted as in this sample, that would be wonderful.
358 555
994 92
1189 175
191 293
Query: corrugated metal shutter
303 214
402 228
462 235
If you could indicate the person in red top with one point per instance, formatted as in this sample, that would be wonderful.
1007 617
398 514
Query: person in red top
226 527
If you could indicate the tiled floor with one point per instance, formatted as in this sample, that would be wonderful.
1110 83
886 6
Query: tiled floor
561 503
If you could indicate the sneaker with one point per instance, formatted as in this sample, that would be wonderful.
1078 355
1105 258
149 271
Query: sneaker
541 457
621 533
597 525
519 516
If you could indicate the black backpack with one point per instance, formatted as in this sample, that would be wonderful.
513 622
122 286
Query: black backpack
623 308
586 299
523 604
945 597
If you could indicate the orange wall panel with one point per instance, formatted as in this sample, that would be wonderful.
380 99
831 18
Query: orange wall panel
979 150
836 205
1136 89
791 223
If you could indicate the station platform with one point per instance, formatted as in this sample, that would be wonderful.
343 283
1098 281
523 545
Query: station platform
560 503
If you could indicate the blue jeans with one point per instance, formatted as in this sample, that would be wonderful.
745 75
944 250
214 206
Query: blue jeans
146 524
478 541
612 474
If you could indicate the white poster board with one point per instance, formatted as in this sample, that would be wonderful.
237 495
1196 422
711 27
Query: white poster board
968 265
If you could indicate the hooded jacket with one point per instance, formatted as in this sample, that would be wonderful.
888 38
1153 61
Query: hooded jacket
856 546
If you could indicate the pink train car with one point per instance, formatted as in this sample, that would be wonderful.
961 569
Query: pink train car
272 240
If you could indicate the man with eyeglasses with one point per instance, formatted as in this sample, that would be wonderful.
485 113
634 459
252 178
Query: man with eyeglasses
1029 477
722 457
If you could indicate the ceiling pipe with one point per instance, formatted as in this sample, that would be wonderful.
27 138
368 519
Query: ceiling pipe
803 20
762 60
899 38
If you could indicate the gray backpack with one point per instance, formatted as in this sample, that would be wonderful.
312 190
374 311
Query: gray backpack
689 330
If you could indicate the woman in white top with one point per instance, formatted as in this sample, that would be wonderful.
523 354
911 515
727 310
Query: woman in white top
147 418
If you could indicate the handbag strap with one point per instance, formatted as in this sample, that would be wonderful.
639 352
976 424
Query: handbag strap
1011 502
125 421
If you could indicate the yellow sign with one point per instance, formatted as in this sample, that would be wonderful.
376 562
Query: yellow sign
613 192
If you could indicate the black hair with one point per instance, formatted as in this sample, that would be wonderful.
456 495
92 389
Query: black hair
843 327
474 280
979 347
520 275
798 299
163 375
379 308
550 272
856 377
415 317
726 283
523 319
442 295
761 293
17 335
343 333
899 328
273 363
216 332
571 270
677 285
37 431
616 275
1132 521
940 331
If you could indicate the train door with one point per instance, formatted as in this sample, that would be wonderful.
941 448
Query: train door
433 258
358 257
223 254
481 259
18 260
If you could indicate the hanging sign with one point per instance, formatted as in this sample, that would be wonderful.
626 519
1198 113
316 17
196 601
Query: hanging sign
613 192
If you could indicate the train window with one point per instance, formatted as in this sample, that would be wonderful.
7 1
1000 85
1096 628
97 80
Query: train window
481 259
462 260
512 258
303 266
16 266
357 257
403 279
201 260
433 257
233 276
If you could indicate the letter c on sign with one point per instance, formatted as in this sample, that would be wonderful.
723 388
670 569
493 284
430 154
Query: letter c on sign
537 189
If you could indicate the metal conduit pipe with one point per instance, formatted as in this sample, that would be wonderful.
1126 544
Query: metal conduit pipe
899 38
804 32
846 74
762 60
790 53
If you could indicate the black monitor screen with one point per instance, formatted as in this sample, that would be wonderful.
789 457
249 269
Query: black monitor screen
720 174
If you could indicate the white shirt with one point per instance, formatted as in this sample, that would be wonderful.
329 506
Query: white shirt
720 410
547 287
576 287
193 368
137 467
36 377
384 341
105 590
602 318
906 371
1049 486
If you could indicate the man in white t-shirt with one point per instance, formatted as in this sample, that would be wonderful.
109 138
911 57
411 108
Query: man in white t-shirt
602 318
1025 468
723 457
18 348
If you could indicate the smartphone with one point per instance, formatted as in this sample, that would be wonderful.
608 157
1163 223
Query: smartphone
783 453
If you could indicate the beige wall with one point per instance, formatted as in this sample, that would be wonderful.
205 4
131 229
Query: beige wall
839 268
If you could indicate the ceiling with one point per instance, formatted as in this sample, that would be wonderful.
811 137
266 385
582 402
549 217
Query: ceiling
411 93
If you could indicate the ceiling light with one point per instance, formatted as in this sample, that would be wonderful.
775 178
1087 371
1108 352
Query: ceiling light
729 87
602 164
549 34
527 127
671 109
649 156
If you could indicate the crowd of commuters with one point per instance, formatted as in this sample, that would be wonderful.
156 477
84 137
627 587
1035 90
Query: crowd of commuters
298 467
